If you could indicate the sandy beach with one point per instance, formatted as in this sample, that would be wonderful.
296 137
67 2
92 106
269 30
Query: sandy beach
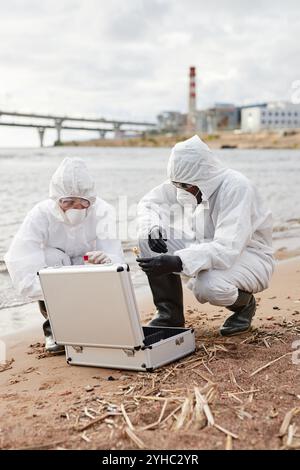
46 404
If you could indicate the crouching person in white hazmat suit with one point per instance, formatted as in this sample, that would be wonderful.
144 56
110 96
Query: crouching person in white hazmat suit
227 252
72 223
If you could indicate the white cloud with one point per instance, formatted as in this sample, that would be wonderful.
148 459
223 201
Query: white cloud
130 59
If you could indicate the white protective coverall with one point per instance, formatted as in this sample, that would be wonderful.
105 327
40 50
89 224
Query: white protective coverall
226 243
46 238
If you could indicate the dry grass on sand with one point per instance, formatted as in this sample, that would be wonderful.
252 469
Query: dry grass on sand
234 393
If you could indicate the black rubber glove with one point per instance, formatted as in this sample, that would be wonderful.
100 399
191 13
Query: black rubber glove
157 240
164 264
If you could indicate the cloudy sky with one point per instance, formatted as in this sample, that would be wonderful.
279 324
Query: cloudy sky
129 59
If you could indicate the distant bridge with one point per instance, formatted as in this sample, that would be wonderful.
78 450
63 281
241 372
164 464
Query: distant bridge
101 125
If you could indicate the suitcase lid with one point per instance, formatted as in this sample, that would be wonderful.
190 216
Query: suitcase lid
92 305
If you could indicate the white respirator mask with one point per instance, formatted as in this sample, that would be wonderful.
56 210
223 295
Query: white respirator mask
75 216
187 199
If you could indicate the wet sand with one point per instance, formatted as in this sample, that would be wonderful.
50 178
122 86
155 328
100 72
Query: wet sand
47 404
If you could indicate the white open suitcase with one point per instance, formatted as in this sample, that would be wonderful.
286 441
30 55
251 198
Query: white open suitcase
93 312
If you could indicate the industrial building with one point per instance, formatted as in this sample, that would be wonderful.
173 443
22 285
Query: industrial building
172 122
271 117
228 117
222 117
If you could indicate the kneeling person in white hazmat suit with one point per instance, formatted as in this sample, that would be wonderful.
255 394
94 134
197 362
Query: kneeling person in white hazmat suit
72 223
227 252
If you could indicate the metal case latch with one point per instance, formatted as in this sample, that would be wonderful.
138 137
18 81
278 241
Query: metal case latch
129 352
179 341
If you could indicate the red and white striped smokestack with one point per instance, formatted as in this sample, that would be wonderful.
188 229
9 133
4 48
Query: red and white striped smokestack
192 91
191 124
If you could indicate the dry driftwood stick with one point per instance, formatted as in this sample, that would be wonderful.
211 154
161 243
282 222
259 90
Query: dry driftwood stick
202 402
185 412
130 389
225 431
220 347
172 390
287 419
151 391
203 377
171 414
95 421
163 411
295 446
241 413
189 361
270 363
43 446
250 338
170 372
194 365
291 433
135 439
210 394
6 365
233 395
250 399
207 368
157 422
126 417
245 392
228 445
233 379
88 414
85 437
153 382
143 397
200 416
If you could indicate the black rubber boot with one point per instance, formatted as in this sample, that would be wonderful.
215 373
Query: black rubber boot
43 309
50 344
168 299
240 321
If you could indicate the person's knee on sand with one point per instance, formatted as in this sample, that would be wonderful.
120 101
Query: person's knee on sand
56 257
208 287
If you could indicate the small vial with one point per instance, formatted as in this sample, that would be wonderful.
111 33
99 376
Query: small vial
86 259
136 251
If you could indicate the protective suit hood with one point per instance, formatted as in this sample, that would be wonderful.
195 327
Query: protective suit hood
72 179
193 162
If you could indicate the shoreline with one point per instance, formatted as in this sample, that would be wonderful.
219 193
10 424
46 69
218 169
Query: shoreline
218 140
47 404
